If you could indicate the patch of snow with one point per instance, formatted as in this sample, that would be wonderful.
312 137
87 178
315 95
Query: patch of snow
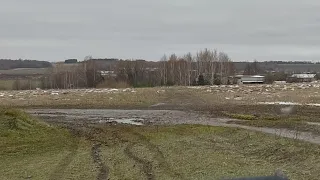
158 104
289 103
113 90
279 103
313 104
313 123
126 90
161 91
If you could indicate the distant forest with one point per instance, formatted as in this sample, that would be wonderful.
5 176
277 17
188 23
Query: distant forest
6 64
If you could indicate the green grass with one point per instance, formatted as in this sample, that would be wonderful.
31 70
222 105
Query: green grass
30 148
241 116
204 152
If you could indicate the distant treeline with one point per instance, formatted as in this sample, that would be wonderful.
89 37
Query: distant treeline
6 64
279 66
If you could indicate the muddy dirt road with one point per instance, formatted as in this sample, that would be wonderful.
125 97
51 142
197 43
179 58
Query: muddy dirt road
154 117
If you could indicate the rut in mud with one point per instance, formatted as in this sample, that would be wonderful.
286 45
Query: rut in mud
146 165
96 156
62 166
158 155
87 132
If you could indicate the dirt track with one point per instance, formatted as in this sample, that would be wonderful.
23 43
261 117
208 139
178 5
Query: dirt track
154 117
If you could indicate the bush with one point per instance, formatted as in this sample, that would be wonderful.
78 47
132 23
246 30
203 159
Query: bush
201 81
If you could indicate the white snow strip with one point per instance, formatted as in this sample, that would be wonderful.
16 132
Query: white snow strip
289 103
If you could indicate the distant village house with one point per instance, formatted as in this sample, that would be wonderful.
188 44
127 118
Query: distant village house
301 78
248 79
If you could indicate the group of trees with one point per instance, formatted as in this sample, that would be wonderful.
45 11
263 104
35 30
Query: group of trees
205 67
253 69
80 75
6 64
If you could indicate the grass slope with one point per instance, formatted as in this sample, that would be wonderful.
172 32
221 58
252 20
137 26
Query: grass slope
203 152
29 149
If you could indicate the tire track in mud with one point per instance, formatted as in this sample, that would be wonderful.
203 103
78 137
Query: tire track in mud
146 165
96 156
159 156
88 132
66 161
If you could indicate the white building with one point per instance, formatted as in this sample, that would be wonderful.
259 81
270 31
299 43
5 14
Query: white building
247 79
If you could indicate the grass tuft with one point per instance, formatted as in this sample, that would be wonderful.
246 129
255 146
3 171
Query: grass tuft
241 116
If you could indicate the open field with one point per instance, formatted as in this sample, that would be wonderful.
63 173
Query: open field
285 94
6 84
25 71
175 132
92 150
263 105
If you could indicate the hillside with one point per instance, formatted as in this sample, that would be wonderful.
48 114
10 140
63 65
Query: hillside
279 66
7 64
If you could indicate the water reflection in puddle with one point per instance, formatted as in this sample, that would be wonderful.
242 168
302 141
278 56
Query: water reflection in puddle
132 121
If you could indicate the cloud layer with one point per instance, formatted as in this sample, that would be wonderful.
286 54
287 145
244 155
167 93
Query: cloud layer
246 29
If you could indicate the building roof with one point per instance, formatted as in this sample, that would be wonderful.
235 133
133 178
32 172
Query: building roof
304 75
249 76
257 76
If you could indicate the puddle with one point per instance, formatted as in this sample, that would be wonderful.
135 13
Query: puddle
158 117
132 121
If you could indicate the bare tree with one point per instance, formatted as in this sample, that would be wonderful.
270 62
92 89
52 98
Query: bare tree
172 60
163 70
188 57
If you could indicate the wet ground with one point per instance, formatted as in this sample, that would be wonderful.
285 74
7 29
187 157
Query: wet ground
154 117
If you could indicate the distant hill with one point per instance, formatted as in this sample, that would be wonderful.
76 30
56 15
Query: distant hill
282 66
7 64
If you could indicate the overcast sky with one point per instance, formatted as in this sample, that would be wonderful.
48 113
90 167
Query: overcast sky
245 29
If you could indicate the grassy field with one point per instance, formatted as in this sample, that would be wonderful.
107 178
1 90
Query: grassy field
6 84
25 71
24 83
174 96
36 150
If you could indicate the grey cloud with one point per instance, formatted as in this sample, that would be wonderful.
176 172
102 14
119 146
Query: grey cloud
246 30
